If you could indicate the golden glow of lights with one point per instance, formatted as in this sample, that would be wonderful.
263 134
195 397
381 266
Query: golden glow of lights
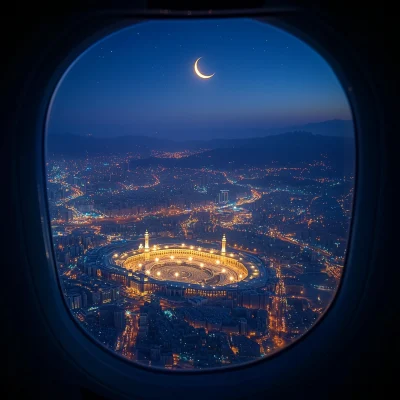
223 270
183 244
252 266
115 255
158 273
166 247
148 272
217 261
231 255
191 247
231 278
199 248
171 257
190 258
157 259
140 265
196 70
176 274
201 265
240 276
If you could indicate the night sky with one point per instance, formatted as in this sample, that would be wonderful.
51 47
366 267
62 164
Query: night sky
140 81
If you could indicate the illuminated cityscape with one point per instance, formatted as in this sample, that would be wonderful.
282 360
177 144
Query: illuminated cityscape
161 271
201 241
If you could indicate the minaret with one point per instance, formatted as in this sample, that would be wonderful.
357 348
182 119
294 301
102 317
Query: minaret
223 249
146 241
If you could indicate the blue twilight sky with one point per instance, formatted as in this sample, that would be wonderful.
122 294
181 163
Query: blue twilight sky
141 81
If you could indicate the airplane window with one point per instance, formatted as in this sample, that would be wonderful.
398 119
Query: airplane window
200 179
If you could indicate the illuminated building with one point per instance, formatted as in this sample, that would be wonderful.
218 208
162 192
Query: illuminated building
178 270
223 196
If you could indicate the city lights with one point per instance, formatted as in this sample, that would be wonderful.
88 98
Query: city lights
201 245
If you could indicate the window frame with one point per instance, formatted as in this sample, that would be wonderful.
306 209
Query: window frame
123 377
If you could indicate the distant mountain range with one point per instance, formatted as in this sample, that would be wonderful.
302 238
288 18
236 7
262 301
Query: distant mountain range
279 148
292 148
334 127
76 145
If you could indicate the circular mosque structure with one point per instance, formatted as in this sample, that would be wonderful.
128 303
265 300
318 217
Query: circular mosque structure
180 269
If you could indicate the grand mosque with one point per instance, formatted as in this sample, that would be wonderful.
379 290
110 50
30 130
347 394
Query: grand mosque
178 269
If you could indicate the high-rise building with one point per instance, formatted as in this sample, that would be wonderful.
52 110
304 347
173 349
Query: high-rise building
74 300
243 326
119 319
223 196
262 321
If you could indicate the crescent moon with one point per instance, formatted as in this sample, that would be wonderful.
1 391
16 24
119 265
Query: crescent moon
199 73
